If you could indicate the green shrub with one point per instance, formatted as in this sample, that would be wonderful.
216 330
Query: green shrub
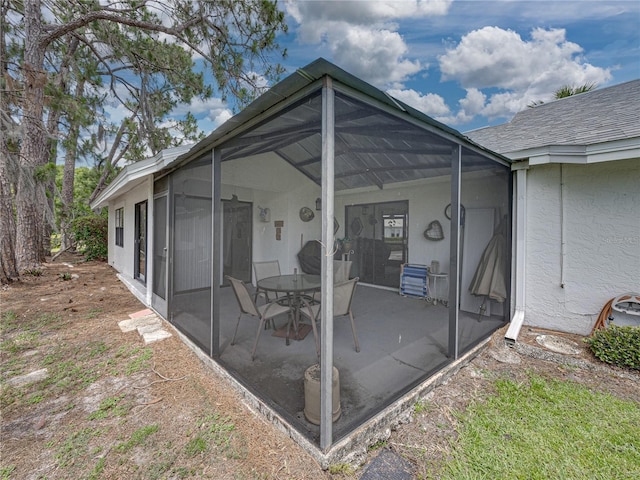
616 345
91 233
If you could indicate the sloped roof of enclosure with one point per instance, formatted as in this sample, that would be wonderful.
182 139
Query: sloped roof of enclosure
378 139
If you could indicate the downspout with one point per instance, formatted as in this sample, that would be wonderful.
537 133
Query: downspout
563 234
519 245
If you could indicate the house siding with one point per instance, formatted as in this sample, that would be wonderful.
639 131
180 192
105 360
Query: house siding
122 258
601 260
271 183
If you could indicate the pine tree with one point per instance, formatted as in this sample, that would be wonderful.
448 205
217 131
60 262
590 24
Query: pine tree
62 48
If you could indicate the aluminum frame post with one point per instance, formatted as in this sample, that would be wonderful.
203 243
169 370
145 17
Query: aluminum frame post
326 336
149 273
454 255
216 245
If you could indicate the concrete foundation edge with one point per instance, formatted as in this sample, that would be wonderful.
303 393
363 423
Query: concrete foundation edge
354 447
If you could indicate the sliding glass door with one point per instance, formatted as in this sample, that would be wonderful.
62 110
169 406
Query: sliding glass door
378 232
140 254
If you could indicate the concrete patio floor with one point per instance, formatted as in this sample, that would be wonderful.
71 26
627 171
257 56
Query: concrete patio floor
403 341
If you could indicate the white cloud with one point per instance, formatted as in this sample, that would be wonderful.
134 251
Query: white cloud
374 55
435 106
362 37
116 114
314 15
112 105
214 109
220 117
431 103
526 70
473 102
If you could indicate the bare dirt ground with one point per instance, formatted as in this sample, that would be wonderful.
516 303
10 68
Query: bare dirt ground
109 407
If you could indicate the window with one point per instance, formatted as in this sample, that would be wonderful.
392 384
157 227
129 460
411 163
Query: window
120 227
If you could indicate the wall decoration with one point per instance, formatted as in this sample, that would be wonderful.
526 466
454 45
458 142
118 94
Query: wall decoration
356 227
265 214
306 214
279 224
434 231
447 213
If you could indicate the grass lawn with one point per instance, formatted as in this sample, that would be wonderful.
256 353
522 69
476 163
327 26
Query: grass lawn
547 429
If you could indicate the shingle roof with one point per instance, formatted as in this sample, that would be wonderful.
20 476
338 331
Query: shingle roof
602 115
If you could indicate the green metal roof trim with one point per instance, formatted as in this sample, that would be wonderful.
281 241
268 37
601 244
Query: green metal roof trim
305 77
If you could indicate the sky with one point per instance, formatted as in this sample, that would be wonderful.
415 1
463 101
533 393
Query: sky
468 63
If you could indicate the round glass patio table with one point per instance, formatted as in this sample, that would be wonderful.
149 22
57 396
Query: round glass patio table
293 285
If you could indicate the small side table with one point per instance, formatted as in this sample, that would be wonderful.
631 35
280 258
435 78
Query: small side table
434 294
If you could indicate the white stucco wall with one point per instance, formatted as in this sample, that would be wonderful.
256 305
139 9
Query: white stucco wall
427 201
270 182
122 258
600 208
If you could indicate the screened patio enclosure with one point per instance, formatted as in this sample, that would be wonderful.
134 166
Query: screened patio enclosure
387 187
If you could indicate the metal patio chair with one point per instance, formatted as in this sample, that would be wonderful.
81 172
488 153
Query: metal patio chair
342 298
341 270
270 268
265 313
341 273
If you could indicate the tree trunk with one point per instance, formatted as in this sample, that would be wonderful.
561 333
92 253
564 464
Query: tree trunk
53 121
8 270
8 138
30 197
110 162
48 220
50 182
68 179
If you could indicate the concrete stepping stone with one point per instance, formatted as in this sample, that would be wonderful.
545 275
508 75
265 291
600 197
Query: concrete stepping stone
142 313
148 325
151 327
134 323
150 336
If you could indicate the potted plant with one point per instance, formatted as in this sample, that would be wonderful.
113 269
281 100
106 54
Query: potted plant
346 244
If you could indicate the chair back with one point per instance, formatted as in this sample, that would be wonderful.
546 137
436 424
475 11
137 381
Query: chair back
343 296
245 301
341 270
266 269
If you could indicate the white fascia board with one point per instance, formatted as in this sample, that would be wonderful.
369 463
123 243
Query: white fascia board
126 179
558 154
579 154
611 151
520 165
